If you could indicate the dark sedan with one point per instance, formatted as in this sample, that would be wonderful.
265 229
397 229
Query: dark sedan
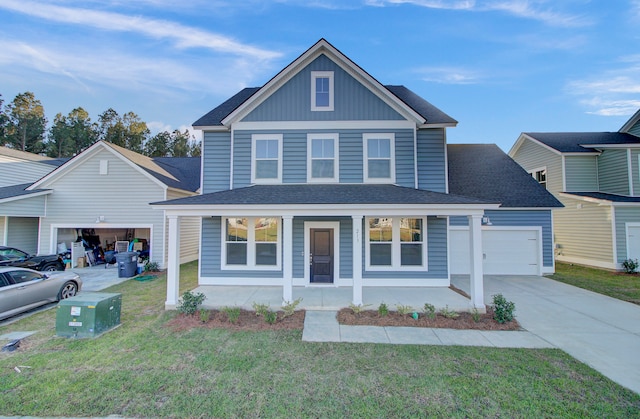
10 256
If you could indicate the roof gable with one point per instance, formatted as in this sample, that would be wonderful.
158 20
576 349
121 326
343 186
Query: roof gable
632 126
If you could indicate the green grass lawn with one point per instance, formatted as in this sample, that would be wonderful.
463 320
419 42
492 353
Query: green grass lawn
143 369
614 284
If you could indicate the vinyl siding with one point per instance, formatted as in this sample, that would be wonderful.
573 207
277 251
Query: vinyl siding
584 232
16 172
350 148
122 197
613 174
532 156
22 233
436 256
189 232
431 160
27 207
624 215
635 171
216 161
582 173
2 236
635 129
528 218
352 101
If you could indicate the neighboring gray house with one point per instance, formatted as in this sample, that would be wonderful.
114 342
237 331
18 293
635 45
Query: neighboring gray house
104 193
20 210
596 175
325 177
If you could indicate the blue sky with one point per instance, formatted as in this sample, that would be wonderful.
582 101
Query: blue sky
499 67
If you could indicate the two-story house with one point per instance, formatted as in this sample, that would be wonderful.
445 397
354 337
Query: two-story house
326 177
596 175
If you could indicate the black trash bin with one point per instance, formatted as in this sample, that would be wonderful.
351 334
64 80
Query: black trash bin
127 264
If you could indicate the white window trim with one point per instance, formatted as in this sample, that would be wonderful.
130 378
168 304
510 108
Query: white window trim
251 248
254 139
392 166
336 160
395 247
540 169
321 74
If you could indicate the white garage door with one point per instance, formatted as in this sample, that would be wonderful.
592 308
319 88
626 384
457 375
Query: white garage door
506 252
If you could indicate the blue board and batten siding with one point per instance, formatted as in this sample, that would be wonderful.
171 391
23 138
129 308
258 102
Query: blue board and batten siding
352 101
521 218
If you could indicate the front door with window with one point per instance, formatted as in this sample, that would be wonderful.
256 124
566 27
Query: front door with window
321 256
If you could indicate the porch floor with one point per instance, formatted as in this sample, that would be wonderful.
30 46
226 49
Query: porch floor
332 298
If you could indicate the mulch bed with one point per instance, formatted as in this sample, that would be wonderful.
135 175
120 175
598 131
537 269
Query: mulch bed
248 320
463 321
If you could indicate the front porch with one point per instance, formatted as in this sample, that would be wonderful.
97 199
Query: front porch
333 298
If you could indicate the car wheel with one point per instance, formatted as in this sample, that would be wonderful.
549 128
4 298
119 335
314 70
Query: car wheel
50 267
69 289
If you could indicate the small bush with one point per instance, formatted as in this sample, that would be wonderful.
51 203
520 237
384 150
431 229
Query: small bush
404 309
204 315
383 310
475 315
290 307
233 313
357 309
449 314
270 317
151 267
190 303
502 309
429 310
260 309
630 266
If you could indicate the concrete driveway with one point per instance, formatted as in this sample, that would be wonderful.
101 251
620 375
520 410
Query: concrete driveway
600 331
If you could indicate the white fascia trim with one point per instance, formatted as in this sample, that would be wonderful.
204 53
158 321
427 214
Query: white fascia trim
588 199
630 145
524 137
323 125
21 197
407 210
441 125
211 128
322 47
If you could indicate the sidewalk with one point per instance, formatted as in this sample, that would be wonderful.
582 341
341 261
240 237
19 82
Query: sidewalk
322 326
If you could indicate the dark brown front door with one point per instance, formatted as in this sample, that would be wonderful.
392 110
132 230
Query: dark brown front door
321 258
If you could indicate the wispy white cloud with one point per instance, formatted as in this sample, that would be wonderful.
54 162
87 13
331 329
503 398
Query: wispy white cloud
527 9
182 36
613 93
449 75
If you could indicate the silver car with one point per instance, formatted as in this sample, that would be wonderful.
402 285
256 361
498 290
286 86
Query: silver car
22 289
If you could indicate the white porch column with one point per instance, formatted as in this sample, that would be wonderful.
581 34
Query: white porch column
357 259
476 285
173 263
287 259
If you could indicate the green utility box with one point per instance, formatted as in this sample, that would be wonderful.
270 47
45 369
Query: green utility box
88 315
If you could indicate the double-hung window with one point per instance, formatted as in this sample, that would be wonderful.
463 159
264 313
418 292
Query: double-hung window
540 175
397 243
379 155
251 243
322 90
266 166
322 158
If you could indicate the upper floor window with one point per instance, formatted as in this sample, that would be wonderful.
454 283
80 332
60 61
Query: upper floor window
322 90
396 243
540 175
266 165
322 161
379 153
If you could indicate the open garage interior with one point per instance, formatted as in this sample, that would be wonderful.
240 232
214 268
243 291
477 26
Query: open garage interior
505 251
92 246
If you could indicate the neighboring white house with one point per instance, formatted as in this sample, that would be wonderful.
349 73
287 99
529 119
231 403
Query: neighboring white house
104 193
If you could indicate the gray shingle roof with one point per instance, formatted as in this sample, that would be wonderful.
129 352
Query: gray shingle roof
185 169
607 196
485 172
571 142
17 190
324 194
425 109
